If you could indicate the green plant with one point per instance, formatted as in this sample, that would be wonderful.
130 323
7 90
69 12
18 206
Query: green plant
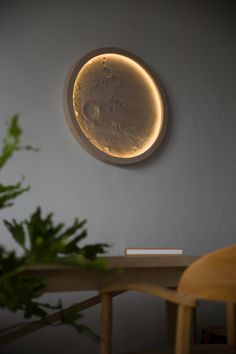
41 242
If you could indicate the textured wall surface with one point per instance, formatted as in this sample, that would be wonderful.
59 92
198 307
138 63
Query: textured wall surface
184 196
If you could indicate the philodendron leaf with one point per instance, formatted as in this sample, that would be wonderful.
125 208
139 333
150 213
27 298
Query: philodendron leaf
86 331
17 231
91 251
19 292
72 246
72 317
9 193
32 309
48 243
11 142
9 263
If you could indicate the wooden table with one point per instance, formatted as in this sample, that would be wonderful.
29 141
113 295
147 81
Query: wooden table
159 270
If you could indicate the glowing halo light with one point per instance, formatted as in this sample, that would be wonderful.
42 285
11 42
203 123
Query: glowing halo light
115 106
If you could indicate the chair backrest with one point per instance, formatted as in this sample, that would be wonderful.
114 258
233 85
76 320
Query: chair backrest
212 277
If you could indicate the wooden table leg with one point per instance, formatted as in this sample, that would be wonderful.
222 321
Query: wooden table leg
106 324
231 324
171 317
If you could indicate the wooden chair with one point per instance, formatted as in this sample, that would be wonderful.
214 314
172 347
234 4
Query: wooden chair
211 277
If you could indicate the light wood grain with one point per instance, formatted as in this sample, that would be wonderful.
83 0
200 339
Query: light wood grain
163 293
161 270
212 277
125 262
183 330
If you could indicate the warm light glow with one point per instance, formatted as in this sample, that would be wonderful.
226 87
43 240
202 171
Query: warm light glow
118 105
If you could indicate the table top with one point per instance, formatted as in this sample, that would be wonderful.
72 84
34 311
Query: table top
149 261
161 270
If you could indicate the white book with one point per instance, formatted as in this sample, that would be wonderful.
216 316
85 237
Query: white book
152 251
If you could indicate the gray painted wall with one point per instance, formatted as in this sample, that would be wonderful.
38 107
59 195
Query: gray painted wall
184 196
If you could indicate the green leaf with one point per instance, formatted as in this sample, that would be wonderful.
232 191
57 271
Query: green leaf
18 291
97 264
17 231
72 246
86 331
71 317
9 193
34 310
11 142
49 243
91 251
9 263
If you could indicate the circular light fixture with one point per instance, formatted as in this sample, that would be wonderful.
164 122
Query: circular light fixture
115 106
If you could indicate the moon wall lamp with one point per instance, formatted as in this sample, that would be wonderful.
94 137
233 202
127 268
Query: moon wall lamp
115 106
